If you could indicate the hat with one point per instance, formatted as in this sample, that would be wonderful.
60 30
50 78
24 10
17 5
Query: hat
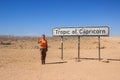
43 35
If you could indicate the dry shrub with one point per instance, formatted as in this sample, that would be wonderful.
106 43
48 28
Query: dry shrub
59 48
5 43
36 47
102 47
95 42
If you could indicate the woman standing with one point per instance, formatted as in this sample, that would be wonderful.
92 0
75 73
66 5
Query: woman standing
43 48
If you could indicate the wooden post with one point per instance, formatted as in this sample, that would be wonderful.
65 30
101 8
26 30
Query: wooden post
78 48
99 48
62 47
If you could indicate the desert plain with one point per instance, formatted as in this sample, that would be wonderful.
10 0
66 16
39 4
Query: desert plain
20 59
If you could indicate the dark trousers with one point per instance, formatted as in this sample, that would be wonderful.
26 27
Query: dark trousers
43 54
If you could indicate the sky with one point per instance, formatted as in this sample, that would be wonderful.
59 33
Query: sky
37 17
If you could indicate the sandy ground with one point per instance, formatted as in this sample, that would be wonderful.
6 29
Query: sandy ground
20 60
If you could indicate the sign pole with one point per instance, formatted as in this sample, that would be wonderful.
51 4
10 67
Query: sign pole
62 47
78 48
99 47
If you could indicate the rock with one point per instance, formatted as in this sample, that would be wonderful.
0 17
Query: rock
105 61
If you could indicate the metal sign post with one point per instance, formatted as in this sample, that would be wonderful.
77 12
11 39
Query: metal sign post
99 47
78 48
62 47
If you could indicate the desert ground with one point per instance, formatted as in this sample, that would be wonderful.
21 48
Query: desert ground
20 59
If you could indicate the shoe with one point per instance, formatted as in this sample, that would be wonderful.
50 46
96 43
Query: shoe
43 62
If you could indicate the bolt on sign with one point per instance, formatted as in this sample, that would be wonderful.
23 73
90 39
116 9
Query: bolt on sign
81 31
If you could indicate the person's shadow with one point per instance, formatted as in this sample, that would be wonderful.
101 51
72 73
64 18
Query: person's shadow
62 62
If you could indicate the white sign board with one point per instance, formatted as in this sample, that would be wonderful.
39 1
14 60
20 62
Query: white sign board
81 31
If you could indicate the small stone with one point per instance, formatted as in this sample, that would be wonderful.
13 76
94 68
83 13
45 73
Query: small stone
105 60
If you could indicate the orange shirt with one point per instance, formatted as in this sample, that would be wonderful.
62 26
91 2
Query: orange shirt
43 43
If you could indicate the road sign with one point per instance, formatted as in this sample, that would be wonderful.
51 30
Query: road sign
97 31
81 31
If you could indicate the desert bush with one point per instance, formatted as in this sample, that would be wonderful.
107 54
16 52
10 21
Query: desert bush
5 43
102 47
